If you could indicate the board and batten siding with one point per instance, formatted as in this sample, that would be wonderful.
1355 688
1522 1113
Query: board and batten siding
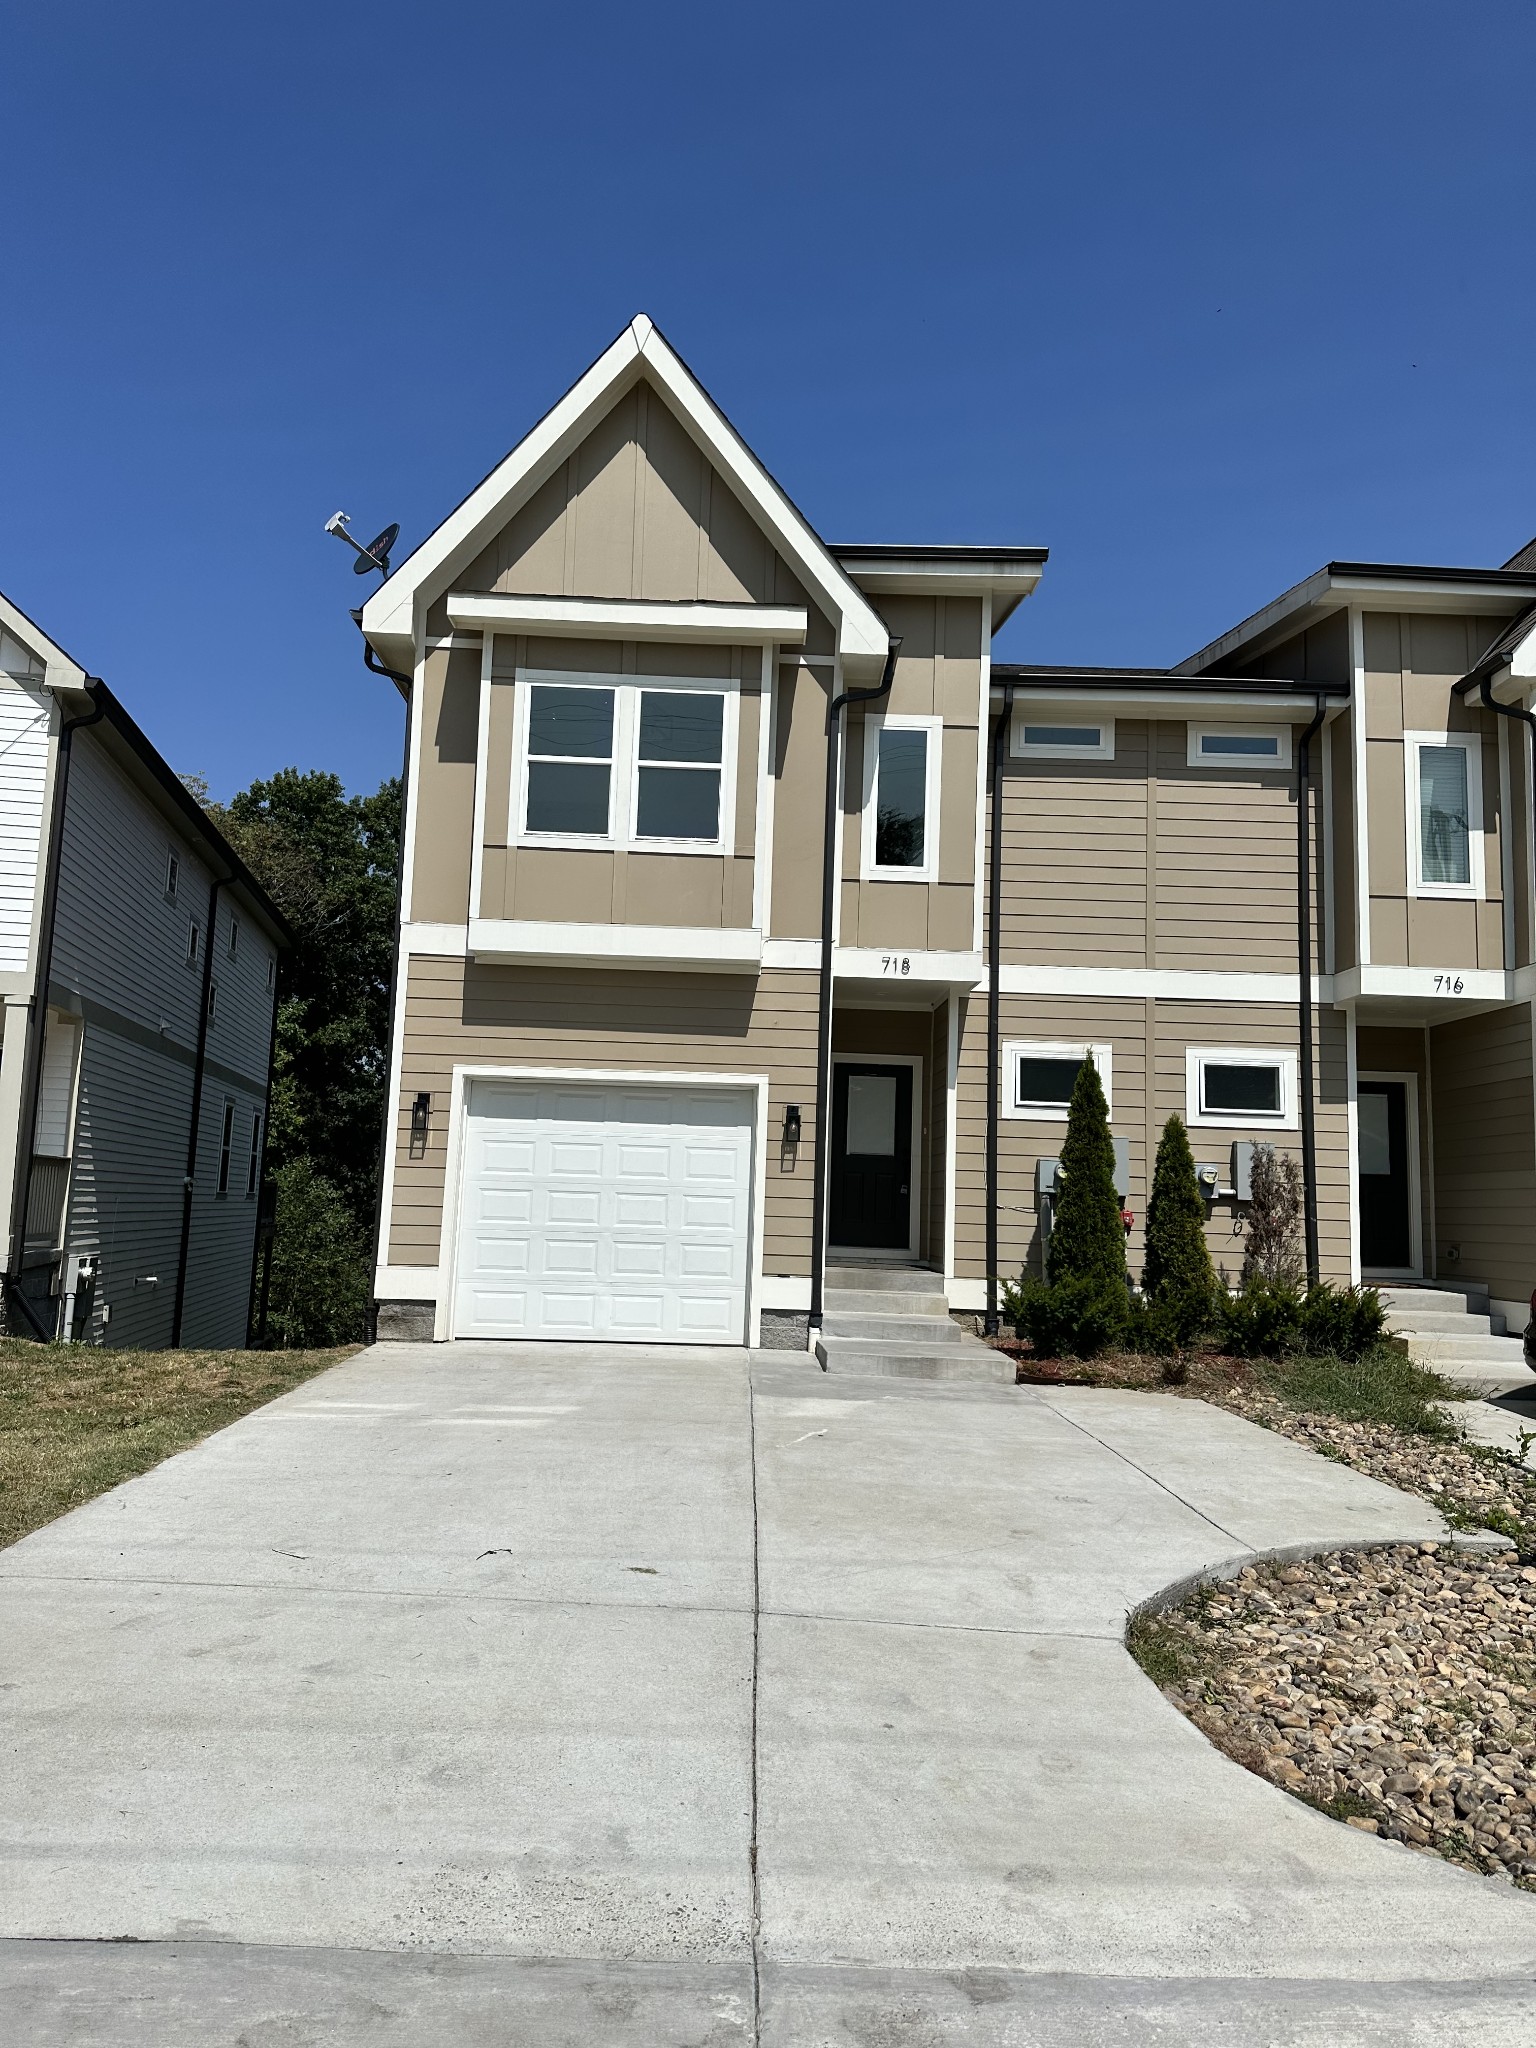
26 717
466 1013
1149 1041
1481 1087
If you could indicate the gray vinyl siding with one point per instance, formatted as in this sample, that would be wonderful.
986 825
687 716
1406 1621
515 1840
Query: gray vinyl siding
120 963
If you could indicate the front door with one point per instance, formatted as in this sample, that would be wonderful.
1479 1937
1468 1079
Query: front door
872 1157
1386 1187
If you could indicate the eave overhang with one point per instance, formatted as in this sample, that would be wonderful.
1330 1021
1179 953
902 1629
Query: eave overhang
627 618
1151 693
1007 575
393 617
60 670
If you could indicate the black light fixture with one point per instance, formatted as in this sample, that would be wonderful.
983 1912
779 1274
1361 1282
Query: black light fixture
421 1123
791 1123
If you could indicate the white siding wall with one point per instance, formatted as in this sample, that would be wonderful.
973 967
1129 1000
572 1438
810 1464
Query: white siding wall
24 723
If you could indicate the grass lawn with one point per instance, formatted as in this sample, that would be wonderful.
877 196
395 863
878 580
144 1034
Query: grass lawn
75 1421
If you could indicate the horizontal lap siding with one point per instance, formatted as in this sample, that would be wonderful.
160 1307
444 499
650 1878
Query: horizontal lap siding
572 1017
1485 1150
1075 857
1122 1023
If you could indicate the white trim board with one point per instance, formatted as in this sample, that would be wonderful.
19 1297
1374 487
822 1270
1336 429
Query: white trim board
406 1283
1163 984
710 948
390 615
627 618
600 1077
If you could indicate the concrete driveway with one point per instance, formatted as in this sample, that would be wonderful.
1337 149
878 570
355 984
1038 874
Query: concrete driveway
561 1697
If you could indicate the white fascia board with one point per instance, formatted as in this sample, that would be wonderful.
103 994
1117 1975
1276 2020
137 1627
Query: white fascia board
1211 706
451 941
390 614
1321 593
895 967
1428 984
1161 984
698 947
1004 582
59 671
631 618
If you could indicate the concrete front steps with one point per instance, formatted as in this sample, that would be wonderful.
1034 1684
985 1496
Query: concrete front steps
1451 1330
893 1322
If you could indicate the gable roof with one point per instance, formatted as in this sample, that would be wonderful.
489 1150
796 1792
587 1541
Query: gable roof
60 670
391 615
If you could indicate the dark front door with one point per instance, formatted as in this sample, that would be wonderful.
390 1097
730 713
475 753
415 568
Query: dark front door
1386 1230
872 1157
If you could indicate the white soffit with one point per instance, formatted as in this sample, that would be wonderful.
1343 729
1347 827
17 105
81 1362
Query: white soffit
630 617
390 615
59 671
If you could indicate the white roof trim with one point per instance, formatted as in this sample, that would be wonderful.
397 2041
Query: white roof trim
390 615
59 671
631 618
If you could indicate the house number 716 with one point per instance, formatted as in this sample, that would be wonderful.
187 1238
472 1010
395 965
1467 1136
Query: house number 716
1448 984
895 963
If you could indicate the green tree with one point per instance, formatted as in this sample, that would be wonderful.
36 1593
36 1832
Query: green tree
329 862
1178 1263
1087 1235
320 1281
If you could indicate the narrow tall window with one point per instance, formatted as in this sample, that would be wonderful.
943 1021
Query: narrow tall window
213 1000
234 936
901 798
681 752
1445 841
271 970
570 761
193 936
172 874
253 1165
225 1140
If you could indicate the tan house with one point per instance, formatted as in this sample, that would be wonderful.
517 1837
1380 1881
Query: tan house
639 972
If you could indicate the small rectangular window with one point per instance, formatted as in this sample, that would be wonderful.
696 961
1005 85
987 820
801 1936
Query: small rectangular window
570 761
1238 1088
1039 735
226 1139
172 875
271 970
193 938
234 936
1039 1076
213 1000
253 1165
679 762
1239 746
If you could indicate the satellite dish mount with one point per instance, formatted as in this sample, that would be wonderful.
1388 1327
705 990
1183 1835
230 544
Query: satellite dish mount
375 555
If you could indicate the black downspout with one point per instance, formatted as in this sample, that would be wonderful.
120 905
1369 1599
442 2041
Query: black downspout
403 684
1304 965
829 880
199 1062
26 1127
994 999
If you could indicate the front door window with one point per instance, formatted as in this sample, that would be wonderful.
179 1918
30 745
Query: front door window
1386 1225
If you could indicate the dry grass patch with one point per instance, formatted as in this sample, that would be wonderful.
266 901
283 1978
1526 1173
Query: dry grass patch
76 1421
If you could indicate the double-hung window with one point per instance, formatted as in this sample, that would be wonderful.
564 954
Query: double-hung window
625 763
901 798
1445 813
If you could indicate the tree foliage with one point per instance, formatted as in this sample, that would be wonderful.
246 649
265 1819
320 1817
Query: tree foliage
1178 1262
329 862
320 1282
1087 1235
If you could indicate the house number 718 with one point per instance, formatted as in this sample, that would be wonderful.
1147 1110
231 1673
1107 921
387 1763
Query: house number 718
895 963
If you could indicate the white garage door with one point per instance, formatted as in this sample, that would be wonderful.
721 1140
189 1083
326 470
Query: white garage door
605 1212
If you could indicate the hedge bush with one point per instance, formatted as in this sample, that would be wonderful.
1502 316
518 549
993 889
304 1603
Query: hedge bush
1071 1318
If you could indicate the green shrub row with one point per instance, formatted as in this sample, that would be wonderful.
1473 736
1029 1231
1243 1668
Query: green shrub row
1079 1318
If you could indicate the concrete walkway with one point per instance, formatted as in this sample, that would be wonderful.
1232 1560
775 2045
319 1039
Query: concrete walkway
559 1697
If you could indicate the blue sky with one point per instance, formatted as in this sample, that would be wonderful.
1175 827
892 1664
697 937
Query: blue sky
1197 295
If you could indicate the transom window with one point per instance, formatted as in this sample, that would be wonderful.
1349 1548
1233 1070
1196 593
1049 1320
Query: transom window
625 763
1238 1087
1239 746
901 791
1040 1074
1445 812
1063 739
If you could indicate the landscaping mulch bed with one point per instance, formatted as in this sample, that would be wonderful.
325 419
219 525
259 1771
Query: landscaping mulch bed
1393 1689
76 1421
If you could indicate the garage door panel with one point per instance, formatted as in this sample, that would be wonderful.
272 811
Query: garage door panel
620 1212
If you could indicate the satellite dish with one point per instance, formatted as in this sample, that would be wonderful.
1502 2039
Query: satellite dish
376 554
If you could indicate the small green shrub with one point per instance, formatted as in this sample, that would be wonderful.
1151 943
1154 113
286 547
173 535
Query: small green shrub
1343 1322
1087 1236
1263 1321
1171 1324
1074 1318
1178 1263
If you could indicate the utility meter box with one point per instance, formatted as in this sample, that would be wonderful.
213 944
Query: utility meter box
1048 1175
1242 1169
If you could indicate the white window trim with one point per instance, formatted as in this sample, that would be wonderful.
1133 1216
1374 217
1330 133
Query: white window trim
1026 750
1050 1049
1197 1057
1475 890
902 721
1245 763
624 763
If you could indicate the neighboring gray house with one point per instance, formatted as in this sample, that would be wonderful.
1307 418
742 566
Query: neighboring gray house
138 972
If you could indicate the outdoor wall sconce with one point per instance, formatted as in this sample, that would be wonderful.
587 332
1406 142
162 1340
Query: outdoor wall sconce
791 1123
421 1123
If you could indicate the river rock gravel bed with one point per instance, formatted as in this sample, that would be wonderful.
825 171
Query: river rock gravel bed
1395 1689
